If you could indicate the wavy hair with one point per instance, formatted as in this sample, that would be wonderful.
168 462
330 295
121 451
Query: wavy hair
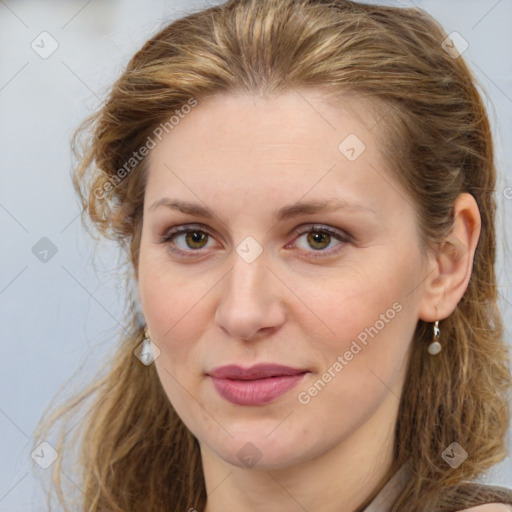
134 452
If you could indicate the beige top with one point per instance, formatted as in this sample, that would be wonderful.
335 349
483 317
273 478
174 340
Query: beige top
384 501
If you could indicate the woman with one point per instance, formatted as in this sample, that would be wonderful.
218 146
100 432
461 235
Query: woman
305 193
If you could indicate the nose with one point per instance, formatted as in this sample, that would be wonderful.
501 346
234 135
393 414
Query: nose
250 305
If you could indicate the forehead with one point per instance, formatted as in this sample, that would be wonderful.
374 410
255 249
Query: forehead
295 143
307 117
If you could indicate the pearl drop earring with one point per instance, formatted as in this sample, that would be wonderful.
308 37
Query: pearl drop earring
435 347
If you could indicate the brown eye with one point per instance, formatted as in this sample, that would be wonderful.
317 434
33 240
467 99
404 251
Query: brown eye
319 239
187 241
196 239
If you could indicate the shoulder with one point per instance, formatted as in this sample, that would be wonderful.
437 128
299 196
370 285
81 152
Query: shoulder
490 507
478 497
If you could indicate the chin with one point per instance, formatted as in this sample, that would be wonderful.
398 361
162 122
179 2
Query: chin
259 450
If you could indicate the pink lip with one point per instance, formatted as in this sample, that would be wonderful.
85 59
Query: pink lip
257 385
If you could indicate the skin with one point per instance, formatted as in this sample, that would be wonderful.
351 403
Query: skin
244 157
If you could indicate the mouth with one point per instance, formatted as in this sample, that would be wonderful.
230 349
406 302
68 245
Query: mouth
257 385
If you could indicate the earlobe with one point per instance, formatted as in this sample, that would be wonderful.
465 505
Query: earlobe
452 263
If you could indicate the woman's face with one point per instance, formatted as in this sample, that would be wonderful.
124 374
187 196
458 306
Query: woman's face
300 251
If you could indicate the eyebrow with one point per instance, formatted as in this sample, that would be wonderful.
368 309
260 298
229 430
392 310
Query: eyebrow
286 212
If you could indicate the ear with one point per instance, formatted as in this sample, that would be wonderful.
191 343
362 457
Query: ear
451 265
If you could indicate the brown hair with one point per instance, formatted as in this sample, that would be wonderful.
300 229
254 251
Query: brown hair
136 453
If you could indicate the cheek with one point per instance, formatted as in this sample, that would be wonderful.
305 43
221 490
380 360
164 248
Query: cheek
169 292
367 312
172 302
364 358
174 310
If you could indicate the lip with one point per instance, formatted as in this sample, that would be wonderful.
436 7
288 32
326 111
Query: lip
256 385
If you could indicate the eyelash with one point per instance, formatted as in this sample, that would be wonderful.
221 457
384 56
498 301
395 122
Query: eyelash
343 238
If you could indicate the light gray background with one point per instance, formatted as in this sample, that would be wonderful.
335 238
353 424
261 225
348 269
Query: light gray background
58 314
